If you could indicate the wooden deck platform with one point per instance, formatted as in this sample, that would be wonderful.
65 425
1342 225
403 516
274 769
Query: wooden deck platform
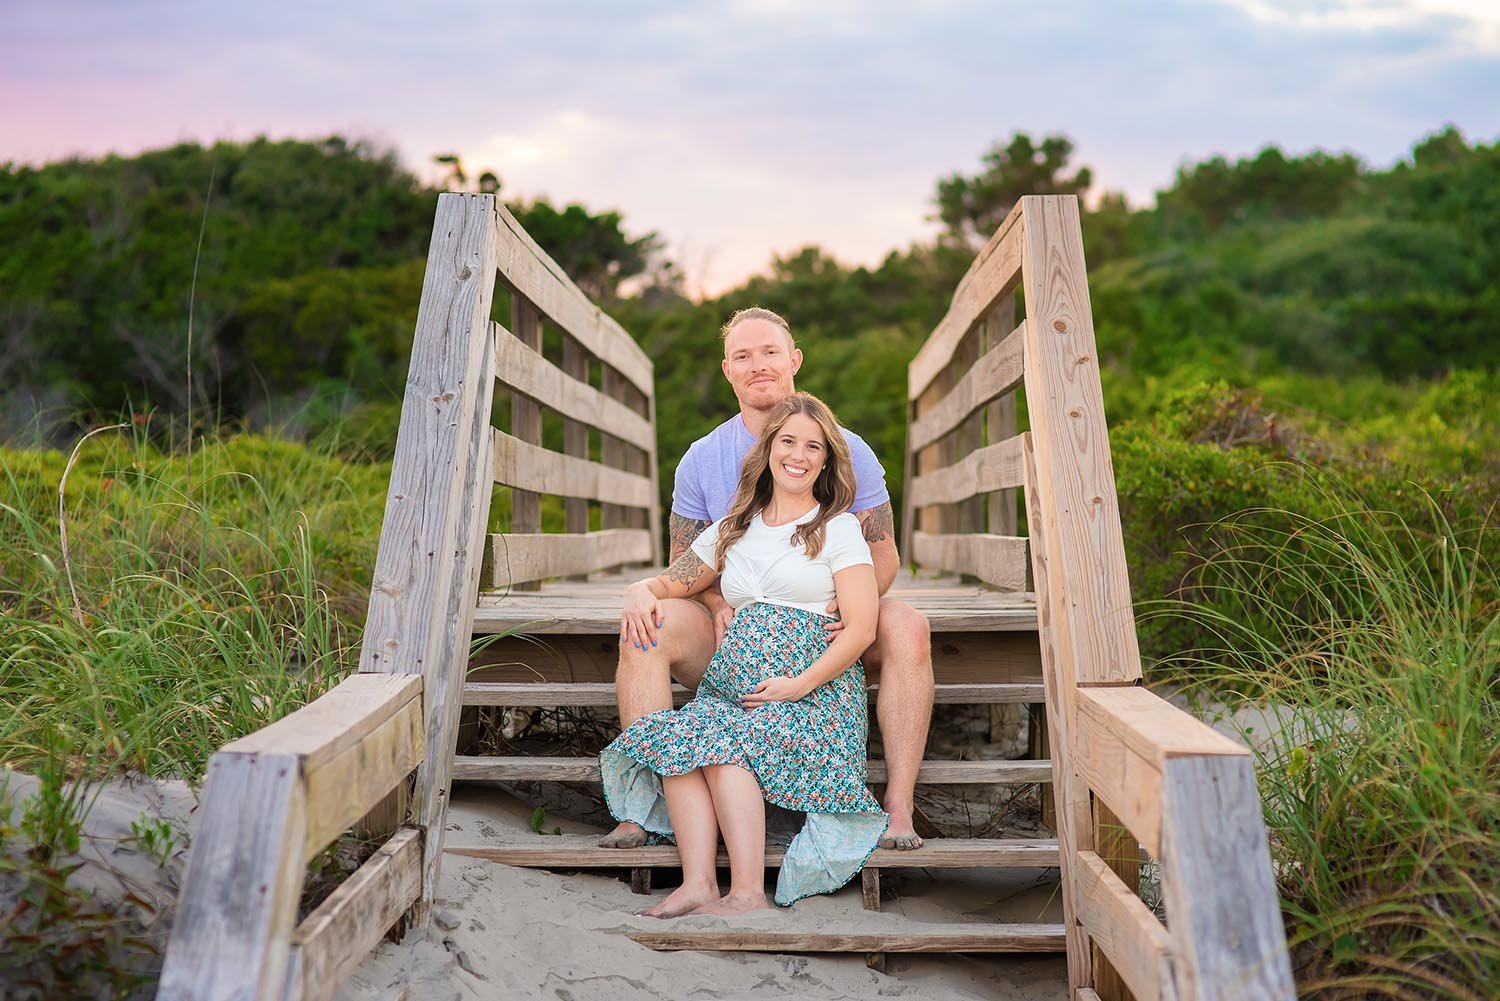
592 607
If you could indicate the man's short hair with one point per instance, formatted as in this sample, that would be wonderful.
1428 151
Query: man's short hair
756 313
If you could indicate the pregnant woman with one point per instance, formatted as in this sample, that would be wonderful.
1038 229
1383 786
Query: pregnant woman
781 713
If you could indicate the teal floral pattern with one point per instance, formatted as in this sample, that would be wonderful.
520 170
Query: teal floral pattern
807 755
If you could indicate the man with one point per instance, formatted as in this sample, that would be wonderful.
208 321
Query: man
760 361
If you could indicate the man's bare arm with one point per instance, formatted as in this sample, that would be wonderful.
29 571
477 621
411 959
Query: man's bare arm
681 532
879 526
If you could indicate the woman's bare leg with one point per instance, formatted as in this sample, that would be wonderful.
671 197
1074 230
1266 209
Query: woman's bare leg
691 807
741 811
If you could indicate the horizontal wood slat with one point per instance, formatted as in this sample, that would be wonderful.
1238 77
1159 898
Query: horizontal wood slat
997 559
1123 927
526 268
531 467
995 271
996 373
582 851
541 769
531 693
335 938
529 373
943 938
335 721
513 559
1122 738
982 471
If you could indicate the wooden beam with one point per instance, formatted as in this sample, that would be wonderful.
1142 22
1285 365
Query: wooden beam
526 268
997 372
1224 913
995 559
526 371
525 414
984 470
533 693
1071 794
510 559
541 769
1000 416
334 722
336 938
231 937
992 274
421 611
1117 848
1065 402
582 851
950 938
1124 928
575 367
531 467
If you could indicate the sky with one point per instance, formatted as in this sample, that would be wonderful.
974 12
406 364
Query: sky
743 129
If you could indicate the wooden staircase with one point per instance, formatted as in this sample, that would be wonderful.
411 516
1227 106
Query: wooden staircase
985 653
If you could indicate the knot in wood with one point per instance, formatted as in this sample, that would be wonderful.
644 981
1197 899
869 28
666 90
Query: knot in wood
465 274
1075 413
443 398
1061 326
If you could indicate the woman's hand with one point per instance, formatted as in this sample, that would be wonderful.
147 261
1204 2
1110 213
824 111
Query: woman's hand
774 690
641 617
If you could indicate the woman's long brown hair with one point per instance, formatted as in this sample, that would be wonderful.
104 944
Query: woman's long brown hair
833 489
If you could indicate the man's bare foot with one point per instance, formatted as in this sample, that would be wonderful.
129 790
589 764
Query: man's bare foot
626 835
735 903
900 834
683 900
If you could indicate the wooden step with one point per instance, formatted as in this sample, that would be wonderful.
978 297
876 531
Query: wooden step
941 938
515 769
582 851
546 694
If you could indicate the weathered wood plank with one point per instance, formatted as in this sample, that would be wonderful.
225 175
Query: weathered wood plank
427 565
510 559
575 367
996 559
1117 848
1066 406
997 372
1071 804
1226 928
335 721
1124 929
335 938
532 693
531 467
525 267
231 937
1000 417
993 274
541 769
943 938
525 414
526 371
582 851
994 467
342 789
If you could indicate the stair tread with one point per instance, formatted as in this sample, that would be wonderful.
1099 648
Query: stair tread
857 937
523 848
586 769
533 693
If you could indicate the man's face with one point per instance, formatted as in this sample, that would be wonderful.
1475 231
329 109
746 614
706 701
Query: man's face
759 362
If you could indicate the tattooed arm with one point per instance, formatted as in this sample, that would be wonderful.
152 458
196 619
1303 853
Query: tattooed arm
641 616
681 532
880 532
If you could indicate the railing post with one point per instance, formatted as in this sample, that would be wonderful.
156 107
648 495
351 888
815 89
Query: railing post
427 568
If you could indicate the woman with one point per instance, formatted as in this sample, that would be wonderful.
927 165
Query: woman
781 712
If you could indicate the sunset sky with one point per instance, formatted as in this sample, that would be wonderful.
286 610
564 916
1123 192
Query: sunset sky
743 129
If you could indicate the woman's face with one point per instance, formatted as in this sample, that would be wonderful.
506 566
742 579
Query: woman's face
798 452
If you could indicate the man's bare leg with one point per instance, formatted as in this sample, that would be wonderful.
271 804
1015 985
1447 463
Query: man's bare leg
643 680
902 653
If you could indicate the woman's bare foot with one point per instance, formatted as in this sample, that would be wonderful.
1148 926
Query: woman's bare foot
683 900
735 903
900 834
625 835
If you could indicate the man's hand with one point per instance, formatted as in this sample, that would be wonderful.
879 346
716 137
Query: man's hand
721 611
835 625
774 690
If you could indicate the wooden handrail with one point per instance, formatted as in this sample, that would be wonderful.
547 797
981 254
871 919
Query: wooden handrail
1118 751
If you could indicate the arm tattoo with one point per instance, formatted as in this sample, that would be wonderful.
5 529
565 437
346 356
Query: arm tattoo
878 523
687 569
682 531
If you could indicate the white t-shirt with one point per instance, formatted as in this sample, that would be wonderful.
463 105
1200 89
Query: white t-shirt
765 566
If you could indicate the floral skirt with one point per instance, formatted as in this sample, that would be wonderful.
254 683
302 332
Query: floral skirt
807 755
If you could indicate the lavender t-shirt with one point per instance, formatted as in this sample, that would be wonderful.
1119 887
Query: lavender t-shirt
704 484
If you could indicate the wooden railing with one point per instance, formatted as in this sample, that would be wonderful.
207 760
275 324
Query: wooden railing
1129 769
276 798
